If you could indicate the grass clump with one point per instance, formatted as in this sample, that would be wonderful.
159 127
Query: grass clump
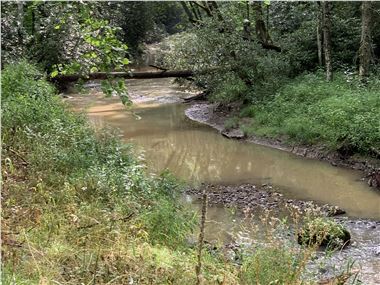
231 123
324 232
342 114
271 265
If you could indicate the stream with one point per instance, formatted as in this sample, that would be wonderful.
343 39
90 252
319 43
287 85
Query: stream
196 153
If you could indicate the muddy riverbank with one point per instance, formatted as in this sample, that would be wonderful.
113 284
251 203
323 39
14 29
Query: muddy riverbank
216 117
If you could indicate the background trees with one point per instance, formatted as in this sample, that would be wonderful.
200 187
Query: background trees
62 37
255 42
326 23
306 35
53 33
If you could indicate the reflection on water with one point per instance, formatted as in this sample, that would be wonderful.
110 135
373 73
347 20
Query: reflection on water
198 153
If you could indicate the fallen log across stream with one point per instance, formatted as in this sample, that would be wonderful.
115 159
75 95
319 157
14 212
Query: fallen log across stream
127 75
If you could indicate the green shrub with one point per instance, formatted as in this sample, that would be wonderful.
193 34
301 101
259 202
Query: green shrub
24 78
229 89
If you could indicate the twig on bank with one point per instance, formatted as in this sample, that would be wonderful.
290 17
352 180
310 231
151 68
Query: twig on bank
123 219
18 155
158 67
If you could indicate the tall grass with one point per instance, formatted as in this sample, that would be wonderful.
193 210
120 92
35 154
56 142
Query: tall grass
340 114
77 205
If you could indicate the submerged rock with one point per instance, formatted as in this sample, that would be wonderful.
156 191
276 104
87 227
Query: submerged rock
377 251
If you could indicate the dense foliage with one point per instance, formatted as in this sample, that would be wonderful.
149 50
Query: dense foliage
60 37
239 68
83 34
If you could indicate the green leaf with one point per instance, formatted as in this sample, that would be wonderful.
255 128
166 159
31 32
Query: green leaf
93 69
125 61
125 100
54 73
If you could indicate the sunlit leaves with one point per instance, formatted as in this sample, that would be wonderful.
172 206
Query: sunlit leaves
64 37
54 73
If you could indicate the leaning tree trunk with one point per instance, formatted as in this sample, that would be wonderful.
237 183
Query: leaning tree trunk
127 75
188 13
365 50
262 32
326 15
20 24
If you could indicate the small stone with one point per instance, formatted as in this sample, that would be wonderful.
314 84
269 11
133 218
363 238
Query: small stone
234 134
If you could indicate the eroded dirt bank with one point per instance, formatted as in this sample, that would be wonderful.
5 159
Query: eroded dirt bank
216 117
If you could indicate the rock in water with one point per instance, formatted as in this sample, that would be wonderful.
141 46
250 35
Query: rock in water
233 134
332 211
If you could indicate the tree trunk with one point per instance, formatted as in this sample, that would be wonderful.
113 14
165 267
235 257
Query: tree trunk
326 15
188 13
365 50
261 29
319 44
128 75
196 12
319 35
212 9
20 20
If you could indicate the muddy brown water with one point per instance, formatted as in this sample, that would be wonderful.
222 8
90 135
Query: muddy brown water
159 129
196 153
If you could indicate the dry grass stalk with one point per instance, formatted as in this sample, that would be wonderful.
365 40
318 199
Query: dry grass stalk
198 268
